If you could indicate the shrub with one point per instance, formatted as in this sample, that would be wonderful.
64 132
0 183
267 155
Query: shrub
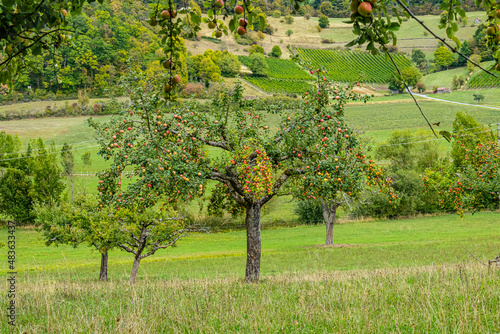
83 98
15 198
323 21
276 52
96 108
256 49
309 212
421 86
243 40
268 30
319 28
457 82
258 64
276 14
192 88
289 19
327 41
289 33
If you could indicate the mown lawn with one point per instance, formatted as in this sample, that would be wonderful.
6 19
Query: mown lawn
379 244
389 276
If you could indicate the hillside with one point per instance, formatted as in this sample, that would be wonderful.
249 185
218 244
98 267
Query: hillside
305 34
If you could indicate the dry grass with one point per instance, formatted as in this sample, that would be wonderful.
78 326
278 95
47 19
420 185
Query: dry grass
431 299
38 106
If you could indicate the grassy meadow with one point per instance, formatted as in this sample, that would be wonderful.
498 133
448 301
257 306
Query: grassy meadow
407 276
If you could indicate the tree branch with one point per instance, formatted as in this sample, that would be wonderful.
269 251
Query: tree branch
442 40
408 88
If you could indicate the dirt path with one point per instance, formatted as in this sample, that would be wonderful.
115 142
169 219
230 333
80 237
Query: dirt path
455 102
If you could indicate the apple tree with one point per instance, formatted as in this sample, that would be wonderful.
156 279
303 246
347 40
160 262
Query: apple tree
337 169
472 187
252 158
76 222
159 165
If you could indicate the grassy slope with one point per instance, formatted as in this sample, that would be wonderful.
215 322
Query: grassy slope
404 275
443 78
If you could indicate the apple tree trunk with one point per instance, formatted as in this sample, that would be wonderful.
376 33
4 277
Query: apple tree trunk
252 221
103 275
135 269
329 215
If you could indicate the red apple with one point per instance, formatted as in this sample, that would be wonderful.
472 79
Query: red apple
218 34
365 9
241 31
242 22
165 14
176 80
219 3
238 10
64 12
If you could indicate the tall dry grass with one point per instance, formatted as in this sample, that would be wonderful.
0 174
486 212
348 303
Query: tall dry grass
431 299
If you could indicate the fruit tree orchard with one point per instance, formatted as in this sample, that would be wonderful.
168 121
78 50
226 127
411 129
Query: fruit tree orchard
254 162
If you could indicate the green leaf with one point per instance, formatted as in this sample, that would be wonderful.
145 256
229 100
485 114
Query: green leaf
456 40
232 24
449 32
356 28
262 20
394 26
446 135
351 43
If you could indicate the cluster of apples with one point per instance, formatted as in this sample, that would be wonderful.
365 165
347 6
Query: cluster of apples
238 10
242 22
164 15
213 24
362 9
174 81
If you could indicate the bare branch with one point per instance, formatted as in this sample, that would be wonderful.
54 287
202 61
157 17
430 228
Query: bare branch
128 249
442 39
408 89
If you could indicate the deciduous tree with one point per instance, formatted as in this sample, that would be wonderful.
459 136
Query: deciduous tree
15 199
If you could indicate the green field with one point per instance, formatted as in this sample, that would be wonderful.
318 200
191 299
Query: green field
443 78
281 69
347 66
282 86
484 80
411 274
38 106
